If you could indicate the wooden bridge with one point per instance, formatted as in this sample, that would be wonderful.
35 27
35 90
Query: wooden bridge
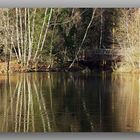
103 54
102 59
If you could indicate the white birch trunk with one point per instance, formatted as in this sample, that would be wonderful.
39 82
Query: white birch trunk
25 35
17 34
21 35
29 37
31 33
40 37
101 28
83 38
48 24
52 38
33 27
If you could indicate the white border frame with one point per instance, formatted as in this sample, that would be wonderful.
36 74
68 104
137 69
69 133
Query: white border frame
69 3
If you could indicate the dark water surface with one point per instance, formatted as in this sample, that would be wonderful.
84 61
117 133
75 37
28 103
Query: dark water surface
70 102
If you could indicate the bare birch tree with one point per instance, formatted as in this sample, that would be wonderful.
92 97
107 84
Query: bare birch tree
91 20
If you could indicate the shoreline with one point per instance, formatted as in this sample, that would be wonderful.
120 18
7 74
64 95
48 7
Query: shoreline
15 67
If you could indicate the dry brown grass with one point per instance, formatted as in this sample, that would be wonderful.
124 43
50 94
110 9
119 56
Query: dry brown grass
128 36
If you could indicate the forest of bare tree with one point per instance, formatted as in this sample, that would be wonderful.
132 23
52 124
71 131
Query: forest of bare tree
69 39
70 70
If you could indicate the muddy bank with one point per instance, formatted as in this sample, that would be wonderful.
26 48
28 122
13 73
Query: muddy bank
14 66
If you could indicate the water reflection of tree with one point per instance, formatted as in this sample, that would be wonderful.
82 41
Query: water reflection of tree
80 102
38 102
47 102
21 103
125 102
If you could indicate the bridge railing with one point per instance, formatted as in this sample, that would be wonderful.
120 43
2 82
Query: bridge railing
110 53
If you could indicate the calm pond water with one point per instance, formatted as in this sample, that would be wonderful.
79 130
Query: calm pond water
70 102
